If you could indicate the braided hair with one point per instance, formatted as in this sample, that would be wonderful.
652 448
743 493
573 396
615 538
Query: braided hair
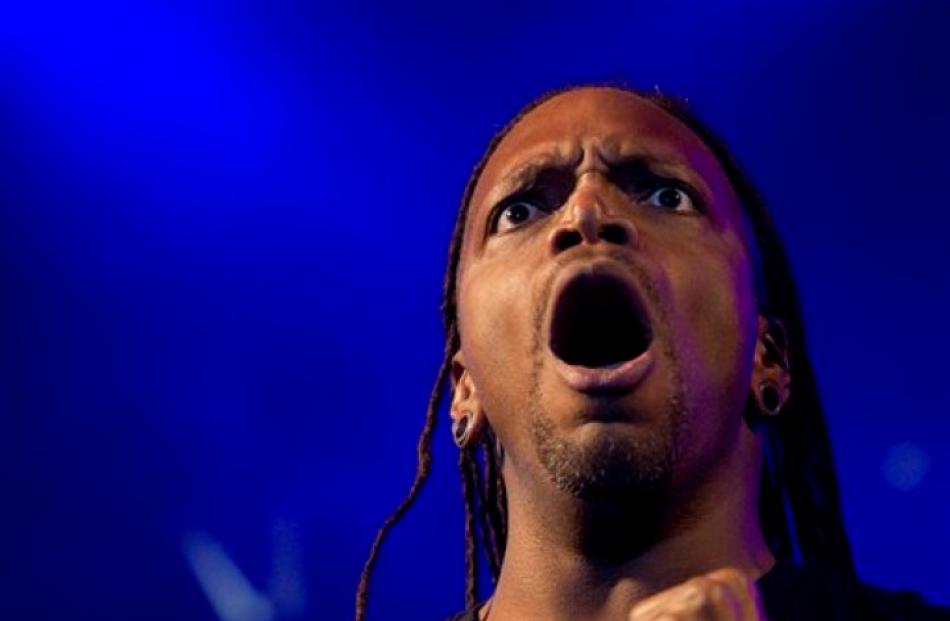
799 505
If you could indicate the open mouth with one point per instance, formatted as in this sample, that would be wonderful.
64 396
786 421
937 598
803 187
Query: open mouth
598 321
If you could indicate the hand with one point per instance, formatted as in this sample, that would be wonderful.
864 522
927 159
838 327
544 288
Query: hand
723 595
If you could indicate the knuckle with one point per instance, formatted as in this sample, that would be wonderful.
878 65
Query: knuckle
717 592
733 576
708 596
700 583
703 594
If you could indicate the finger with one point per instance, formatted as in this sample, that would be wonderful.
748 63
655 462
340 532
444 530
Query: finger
699 598
745 591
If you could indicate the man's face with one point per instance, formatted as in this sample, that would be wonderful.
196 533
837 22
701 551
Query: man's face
605 297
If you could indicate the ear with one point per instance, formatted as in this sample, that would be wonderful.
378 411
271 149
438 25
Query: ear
465 400
771 363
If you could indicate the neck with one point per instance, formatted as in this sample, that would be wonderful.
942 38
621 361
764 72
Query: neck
567 558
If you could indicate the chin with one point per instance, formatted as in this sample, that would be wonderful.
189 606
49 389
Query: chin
599 456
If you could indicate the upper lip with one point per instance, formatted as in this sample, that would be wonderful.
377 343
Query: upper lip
616 274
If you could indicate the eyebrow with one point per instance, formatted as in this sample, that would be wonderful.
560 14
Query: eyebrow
524 175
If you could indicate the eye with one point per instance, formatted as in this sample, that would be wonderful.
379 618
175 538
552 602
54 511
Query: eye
516 213
671 198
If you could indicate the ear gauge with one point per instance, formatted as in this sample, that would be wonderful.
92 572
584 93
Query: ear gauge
462 429
770 399
775 343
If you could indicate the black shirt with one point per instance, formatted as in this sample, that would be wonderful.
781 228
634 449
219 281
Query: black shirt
792 593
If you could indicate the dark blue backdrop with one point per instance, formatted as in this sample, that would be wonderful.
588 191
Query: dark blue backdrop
223 231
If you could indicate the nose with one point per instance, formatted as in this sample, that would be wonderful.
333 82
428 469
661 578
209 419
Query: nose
586 220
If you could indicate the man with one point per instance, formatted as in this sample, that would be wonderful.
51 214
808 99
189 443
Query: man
640 434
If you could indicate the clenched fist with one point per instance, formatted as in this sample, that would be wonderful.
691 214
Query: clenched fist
722 595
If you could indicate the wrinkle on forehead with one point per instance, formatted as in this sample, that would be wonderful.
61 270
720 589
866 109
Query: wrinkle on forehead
591 154
596 123
614 124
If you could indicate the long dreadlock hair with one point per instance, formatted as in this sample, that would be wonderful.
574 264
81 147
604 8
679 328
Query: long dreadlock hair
799 506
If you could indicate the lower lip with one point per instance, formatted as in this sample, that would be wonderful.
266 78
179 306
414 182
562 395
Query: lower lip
615 378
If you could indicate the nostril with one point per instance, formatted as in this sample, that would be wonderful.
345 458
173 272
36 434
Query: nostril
614 234
566 238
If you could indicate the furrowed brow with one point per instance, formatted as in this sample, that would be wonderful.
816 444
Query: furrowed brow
526 174
645 165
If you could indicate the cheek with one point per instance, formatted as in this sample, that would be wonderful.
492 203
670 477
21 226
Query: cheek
496 319
715 308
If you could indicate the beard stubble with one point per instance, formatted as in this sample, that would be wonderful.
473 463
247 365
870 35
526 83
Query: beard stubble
610 468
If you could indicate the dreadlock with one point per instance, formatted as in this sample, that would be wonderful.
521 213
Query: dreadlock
799 504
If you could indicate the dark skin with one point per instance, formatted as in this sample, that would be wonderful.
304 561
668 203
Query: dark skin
564 194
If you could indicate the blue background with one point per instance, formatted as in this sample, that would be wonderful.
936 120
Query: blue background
222 240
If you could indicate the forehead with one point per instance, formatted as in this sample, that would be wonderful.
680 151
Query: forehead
611 122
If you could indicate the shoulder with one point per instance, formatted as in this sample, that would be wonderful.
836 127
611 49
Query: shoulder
793 592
